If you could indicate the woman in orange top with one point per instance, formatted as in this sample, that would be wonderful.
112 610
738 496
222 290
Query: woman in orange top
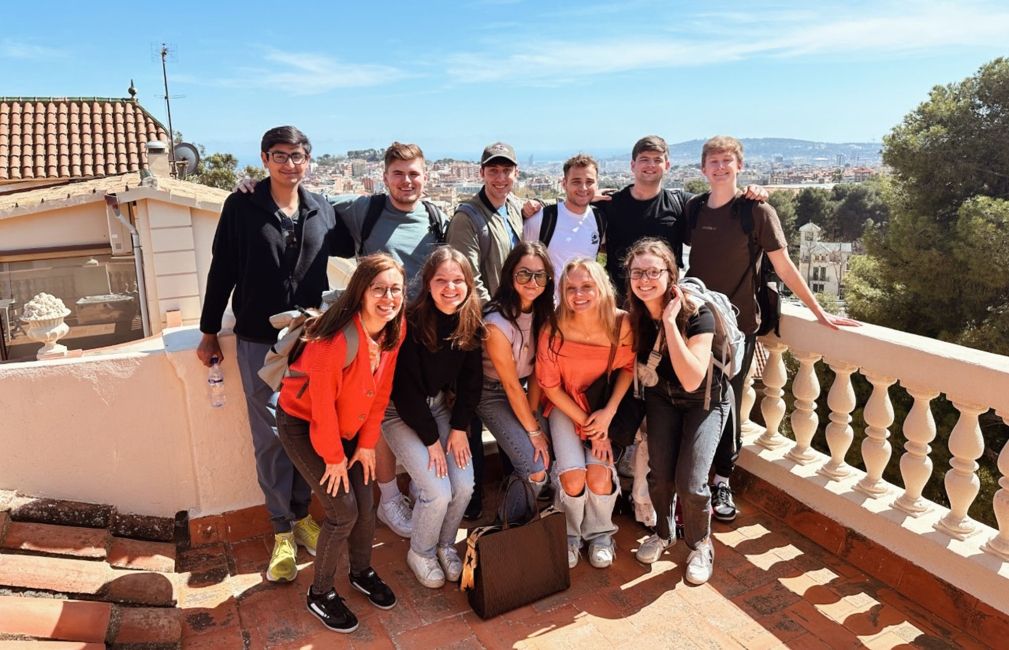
332 409
569 359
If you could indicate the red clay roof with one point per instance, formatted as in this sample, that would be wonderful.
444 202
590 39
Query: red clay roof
73 137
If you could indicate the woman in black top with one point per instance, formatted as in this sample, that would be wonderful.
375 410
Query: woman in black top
434 397
674 336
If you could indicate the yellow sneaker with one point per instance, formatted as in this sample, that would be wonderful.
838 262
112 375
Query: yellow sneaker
283 567
306 533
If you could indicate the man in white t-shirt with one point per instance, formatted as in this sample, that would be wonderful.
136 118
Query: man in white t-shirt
571 228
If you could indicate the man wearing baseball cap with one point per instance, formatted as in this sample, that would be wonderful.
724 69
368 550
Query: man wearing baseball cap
487 226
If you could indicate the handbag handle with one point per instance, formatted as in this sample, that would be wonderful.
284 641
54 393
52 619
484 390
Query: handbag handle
530 499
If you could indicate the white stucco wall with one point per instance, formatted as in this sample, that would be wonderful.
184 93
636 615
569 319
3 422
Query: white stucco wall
69 226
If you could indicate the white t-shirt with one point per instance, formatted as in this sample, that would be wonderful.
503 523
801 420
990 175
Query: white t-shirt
576 235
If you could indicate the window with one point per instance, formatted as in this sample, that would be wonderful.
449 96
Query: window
817 287
99 290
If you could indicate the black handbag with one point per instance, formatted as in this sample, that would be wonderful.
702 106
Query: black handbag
509 566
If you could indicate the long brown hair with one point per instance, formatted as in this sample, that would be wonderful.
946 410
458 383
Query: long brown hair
606 307
423 313
640 316
330 322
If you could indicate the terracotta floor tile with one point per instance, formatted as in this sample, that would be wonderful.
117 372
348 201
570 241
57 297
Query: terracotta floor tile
47 618
766 600
937 596
207 530
227 638
50 645
57 540
149 625
451 632
200 621
139 554
246 523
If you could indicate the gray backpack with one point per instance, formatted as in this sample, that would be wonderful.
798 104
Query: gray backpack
289 344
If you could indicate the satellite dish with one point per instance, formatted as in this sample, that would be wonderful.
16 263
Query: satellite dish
186 159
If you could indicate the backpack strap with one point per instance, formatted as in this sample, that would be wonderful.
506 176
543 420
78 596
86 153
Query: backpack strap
695 209
549 223
600 224
349 332
435 225
482 227
376 204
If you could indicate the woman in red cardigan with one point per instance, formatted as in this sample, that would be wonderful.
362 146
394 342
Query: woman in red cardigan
330 411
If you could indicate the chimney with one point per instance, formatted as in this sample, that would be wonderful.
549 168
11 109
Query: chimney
157 159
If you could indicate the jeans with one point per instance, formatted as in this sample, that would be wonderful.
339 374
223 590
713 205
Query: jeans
682 437
512 438
732 433
441 502
286 492
589 515
350 515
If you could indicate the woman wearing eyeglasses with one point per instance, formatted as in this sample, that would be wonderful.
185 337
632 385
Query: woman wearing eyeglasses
513 318
434 398
682 434
330 409
591 339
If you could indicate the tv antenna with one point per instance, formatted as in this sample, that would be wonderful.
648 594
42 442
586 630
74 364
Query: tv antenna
164 52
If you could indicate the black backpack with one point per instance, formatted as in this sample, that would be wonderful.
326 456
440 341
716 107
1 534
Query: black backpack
375 206
765 282
549 223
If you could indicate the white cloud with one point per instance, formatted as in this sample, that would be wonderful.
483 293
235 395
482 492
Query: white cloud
14 49
709 39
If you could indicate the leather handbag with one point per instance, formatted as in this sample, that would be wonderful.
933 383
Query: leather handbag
509 566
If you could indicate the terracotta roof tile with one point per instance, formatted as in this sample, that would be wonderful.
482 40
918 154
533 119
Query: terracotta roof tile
76 137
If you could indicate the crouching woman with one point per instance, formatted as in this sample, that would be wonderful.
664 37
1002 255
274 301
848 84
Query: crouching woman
330 410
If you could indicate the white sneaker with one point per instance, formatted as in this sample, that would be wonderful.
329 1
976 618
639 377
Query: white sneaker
427 570
651 549
450 563
397 515
700 563
574 552
601 555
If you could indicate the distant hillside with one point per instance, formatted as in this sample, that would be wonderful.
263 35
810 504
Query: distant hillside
788 148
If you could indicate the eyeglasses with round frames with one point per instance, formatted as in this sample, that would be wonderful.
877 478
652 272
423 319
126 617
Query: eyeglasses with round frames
651 274
281 157
524 276
378 291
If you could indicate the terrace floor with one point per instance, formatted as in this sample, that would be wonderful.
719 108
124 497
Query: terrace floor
772 587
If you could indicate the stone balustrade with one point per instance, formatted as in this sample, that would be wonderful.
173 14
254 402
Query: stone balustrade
947 541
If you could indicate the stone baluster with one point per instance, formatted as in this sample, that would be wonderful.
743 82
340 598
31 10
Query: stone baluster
999 545
806 388
749 399
962 484
841 400
772 406
915 464
876 448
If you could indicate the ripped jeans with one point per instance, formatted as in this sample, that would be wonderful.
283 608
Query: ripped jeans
589 515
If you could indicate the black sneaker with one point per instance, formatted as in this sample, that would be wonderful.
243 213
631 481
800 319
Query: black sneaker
369 584
329 609
474 510
722 505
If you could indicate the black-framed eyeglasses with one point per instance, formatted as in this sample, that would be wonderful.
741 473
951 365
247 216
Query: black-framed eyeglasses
281 157
651 274
523 276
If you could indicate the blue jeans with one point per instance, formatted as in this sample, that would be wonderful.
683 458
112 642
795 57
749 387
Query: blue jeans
682 437
512 438
286 492
589 515
440 501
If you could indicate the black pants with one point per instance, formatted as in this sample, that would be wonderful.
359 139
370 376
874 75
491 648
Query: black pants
350 515
732 435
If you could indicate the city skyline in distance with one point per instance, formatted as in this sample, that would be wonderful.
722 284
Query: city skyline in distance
550 79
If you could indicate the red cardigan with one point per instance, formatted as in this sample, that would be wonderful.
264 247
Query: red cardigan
340 403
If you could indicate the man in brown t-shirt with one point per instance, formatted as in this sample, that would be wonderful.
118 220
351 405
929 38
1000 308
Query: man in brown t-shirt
720 256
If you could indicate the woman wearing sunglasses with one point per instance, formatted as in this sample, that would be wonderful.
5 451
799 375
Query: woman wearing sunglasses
520 308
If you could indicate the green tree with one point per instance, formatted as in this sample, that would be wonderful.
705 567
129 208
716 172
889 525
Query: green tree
696 186
853 205
812 204
783 203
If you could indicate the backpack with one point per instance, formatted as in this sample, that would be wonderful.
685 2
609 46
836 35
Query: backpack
289 345
549 223
728 346
765 284
376 204
482 227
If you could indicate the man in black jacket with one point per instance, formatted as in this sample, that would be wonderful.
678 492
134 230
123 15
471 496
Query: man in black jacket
271 248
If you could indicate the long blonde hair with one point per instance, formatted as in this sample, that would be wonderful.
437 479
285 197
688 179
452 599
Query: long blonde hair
606 301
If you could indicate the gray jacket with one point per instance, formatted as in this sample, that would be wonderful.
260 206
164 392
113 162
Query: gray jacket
484 240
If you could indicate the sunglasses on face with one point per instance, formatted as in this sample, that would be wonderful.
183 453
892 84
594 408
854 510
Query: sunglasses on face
523 276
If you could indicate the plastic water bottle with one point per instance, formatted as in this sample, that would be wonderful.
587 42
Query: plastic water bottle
215 380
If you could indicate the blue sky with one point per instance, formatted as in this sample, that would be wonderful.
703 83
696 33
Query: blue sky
551 77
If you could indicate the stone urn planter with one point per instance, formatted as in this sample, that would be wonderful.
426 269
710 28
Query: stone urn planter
43 322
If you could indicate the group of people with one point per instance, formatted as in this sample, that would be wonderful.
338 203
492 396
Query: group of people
498 317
